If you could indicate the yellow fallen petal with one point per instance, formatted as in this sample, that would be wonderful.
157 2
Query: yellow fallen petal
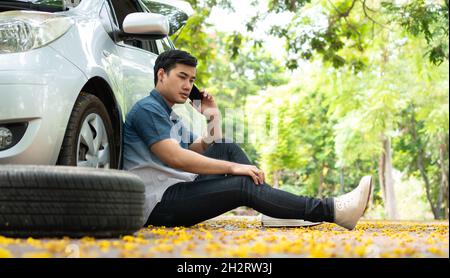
5 253
37 255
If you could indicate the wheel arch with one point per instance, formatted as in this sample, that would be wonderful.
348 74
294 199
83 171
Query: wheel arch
98 87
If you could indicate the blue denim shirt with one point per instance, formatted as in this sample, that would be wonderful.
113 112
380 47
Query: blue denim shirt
151 120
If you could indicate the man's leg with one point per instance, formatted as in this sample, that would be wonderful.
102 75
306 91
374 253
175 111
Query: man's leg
189 203
227 150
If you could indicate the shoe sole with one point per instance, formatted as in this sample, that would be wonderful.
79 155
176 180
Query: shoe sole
368 198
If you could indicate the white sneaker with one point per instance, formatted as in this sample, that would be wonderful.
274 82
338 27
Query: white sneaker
349 207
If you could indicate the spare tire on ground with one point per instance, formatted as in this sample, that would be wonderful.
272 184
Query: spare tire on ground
56 201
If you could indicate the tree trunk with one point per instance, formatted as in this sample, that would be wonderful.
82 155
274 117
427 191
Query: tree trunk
342 189
420 165
387 180
276 178
385 162
321 179
443 189
423 173
445 174
381 167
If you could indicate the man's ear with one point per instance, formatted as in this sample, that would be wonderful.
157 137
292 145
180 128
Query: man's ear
160 74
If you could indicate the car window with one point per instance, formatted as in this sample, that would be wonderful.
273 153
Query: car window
176 16
152 47
164 45
124 7
148 45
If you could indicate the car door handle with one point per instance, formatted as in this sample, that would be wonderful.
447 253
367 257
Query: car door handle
106 53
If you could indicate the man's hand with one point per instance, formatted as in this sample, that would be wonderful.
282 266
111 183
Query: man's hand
207 106
248 170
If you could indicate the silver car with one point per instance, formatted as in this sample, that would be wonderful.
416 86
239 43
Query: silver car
69 72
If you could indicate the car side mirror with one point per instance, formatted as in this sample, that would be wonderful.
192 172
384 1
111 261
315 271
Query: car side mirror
145 25
177 12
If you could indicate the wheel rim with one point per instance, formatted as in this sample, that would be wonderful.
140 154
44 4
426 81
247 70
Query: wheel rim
93 148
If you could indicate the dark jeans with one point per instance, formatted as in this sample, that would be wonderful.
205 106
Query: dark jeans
189 203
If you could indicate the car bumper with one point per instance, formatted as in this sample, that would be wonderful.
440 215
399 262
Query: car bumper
37 88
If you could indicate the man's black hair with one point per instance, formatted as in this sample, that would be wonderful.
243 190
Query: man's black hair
168 60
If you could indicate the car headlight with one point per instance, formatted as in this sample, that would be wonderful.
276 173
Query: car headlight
24 30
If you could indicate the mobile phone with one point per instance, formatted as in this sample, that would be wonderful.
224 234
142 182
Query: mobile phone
195 94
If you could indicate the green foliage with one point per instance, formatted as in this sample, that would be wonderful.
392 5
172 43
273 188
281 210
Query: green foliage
341 31
289 5
253 70
193 38
332 120
331 117
421 18
298 190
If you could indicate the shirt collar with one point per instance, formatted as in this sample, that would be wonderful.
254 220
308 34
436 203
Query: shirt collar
160 99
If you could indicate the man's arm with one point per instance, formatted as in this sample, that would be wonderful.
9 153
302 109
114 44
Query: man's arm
199 146
170 152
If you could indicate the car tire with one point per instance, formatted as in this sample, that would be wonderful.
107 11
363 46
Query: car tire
56 201
84 142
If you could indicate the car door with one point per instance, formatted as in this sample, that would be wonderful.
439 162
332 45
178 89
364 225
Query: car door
111 59
137 56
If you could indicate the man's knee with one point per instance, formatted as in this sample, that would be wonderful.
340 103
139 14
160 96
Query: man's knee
223 140
242 183
234 145
247 191
229 144
226 144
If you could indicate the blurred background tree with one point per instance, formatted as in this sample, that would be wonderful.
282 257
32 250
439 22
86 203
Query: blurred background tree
362 88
